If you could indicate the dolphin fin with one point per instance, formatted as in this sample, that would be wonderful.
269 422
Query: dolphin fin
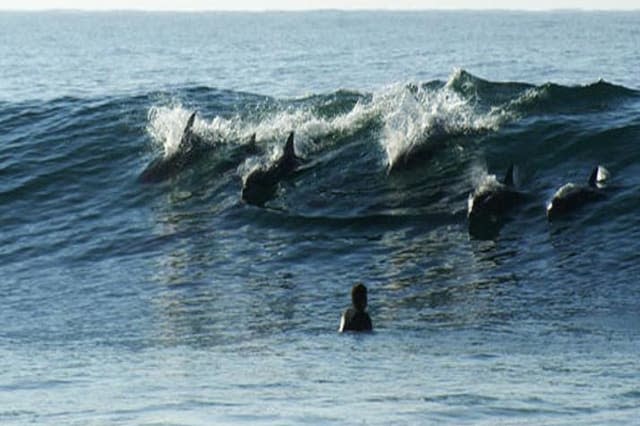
187 134
593 179
289 152
599 176
508 177
251 146
252 142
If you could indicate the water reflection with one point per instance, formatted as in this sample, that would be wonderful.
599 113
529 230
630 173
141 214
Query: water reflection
441 278
217 286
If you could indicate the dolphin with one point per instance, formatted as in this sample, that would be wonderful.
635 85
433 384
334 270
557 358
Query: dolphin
571 196
423 150
190 149
261 184
163 168
493 198
489 202
231 155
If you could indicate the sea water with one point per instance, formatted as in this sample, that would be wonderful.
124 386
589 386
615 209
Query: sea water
177 303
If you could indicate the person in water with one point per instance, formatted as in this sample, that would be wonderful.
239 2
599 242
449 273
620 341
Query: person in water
356 318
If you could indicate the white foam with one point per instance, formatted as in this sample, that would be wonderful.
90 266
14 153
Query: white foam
417 116
165 125
410 116
488 183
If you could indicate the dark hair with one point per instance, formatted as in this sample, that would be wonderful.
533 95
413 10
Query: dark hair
359 296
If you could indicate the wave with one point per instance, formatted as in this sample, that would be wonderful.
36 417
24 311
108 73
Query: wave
440 138
318 122
420 119
438 130
410 122
555 99
404 118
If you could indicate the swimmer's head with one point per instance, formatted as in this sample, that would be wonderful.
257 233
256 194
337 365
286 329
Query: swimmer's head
359 296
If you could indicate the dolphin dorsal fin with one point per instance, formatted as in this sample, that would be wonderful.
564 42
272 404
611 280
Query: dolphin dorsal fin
508 177
251 143
185 142
593 179
189 125
289 149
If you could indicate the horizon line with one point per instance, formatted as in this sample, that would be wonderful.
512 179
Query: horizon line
332 9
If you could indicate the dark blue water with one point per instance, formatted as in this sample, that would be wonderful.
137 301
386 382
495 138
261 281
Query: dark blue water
178 303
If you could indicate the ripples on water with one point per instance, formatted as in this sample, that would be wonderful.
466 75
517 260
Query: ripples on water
176 303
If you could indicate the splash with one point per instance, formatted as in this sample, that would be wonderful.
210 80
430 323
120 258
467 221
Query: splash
405 120
480 177
165 126
423 118
313 132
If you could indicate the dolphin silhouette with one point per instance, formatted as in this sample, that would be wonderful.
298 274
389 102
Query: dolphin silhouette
191 148
571 196
489 203
262 183
163 168
493 198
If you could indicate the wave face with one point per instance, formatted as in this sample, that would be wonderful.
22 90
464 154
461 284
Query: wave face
184 265
407 152
432 139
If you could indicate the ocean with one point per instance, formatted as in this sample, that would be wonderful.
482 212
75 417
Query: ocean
175 302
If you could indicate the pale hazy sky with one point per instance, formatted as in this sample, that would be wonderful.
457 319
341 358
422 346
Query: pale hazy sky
314 4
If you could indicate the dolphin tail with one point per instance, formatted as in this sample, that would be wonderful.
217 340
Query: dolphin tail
508 177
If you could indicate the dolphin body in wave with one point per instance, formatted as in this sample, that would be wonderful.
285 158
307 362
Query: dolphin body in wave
494 198
490 201
423 150
163 168
190 149
572 196
262 183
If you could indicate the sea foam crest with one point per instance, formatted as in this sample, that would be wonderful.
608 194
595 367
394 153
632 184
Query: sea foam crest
481 179
415 117
165 125
412 117
309 128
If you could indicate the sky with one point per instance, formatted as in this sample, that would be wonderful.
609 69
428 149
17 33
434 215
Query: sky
258 5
